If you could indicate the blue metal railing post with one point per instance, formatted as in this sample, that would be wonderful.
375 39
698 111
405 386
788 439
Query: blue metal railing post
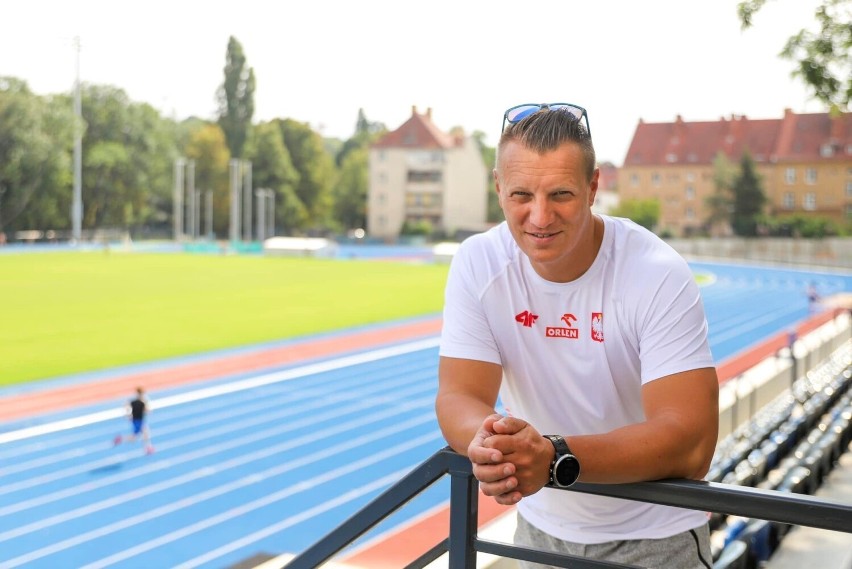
464 513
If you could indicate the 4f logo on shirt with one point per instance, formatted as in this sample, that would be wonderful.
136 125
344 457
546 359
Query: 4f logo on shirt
597 326
526 318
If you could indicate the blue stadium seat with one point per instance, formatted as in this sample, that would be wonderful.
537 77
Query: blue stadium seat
734 556
771 453
762 539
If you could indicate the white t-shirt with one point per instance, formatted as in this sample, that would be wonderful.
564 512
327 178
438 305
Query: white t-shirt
575 355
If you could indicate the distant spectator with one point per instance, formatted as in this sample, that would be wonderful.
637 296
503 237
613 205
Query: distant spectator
2 238
137 411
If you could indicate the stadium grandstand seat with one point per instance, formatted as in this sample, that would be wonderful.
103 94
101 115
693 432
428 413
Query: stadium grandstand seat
734 556
771 454
798 481
790 445
758 461
762 539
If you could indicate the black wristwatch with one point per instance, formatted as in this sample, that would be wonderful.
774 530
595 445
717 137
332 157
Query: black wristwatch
565 468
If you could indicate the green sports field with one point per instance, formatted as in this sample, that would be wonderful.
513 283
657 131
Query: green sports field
63 313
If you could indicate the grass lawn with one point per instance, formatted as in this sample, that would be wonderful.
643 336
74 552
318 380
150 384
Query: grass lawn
63 313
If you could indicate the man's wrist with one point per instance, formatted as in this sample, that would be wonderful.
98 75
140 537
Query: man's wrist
564 468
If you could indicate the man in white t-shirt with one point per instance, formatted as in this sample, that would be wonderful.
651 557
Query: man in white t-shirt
592 332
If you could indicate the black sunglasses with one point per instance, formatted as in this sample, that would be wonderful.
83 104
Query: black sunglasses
520 112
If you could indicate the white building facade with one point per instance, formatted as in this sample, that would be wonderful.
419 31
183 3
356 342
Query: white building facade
420 174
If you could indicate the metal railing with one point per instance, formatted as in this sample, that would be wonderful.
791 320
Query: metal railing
463 544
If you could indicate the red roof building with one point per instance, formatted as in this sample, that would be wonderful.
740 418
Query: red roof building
805 161
421 175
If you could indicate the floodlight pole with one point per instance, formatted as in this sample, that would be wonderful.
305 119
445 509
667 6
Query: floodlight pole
261 215
77 200
271 213
247 200
209 211
191 222
177 199
234 222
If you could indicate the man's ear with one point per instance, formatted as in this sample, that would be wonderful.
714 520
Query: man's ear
593 186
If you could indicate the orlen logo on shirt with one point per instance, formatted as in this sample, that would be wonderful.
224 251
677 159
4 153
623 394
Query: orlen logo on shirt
553 332
569 332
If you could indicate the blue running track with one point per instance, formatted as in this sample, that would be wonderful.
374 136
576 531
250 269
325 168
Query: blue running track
267 463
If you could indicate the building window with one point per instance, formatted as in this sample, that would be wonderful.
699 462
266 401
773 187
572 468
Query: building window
690 193
424 176
789 200
383 178
671 157
655 179
790 175
809 201
690 176
810 176
849 189
634 180
826 150
690 213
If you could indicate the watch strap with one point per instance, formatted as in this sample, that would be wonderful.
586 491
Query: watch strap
561 448
559 445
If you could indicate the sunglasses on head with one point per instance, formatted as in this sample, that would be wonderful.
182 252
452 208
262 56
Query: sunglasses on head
520 112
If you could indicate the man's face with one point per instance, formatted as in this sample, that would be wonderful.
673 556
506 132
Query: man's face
547 201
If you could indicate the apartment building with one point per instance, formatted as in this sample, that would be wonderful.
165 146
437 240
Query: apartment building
804 160
420 173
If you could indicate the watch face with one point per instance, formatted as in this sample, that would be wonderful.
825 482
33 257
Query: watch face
566 470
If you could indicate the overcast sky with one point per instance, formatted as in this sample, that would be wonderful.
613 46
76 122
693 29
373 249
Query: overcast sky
319 61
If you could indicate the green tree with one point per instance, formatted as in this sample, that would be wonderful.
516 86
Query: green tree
749 198
272 169
350 192
366 132
236 98
719 205
36 136
317 173
823 59
493 212
128 157
644 212
799 226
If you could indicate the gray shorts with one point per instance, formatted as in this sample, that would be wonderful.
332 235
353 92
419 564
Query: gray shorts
687 550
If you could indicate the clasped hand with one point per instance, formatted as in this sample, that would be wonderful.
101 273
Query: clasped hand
510 458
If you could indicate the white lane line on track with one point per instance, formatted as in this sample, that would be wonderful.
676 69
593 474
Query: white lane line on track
737 330
361 406
292 520
266 500
318 398
215 391
197 498
234 406
208 471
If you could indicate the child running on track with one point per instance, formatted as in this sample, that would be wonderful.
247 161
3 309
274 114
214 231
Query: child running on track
137 410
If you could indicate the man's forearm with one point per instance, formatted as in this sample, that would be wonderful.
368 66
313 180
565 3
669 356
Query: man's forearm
460 418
